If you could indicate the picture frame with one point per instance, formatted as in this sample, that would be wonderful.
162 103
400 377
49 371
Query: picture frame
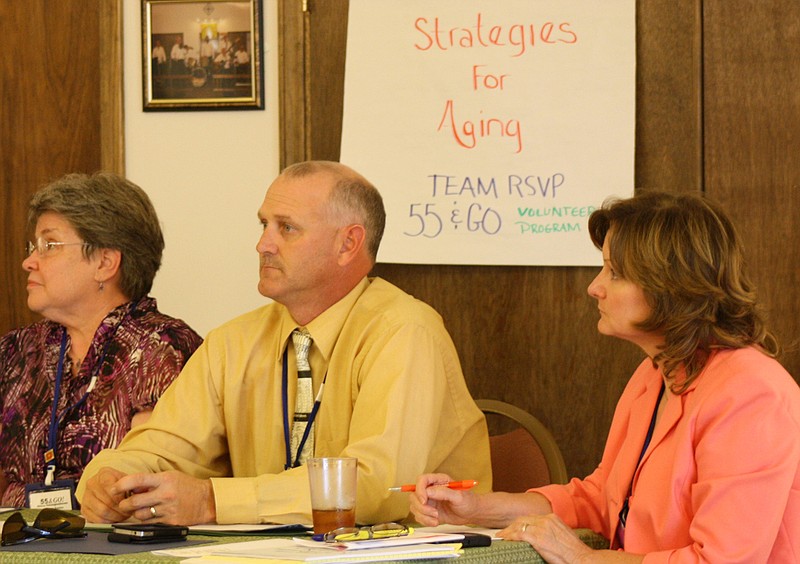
202 55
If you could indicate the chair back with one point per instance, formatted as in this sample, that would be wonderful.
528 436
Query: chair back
524 453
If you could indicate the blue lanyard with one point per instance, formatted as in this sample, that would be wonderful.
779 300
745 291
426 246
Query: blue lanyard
49 454
55 420
312 416
623 514
52 434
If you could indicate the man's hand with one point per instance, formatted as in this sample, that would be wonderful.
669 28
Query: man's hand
100 503
172 497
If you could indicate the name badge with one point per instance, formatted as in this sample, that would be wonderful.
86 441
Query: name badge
60 495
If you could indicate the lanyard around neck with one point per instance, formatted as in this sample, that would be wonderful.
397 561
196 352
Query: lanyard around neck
650 429
312 416
52 433
623 513
53 430
55 420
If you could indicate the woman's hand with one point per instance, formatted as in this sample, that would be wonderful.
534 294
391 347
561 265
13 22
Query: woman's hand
558 544
433 504
551 538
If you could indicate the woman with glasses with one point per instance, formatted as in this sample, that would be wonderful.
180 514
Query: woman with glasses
702 462
76 381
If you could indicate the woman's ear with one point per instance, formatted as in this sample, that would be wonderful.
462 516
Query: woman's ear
108 265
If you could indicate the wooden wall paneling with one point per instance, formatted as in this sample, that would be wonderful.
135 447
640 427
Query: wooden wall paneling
668 95
292 23
527 335
112 140
327 42
50 119
752 133
312 46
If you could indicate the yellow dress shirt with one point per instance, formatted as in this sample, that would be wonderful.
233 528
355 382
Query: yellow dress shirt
395 398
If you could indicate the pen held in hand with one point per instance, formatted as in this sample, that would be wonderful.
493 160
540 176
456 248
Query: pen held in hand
459 485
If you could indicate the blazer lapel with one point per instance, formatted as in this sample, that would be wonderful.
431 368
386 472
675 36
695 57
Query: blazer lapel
622 477
669 418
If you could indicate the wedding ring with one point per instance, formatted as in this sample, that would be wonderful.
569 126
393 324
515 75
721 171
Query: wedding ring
153 512
524 526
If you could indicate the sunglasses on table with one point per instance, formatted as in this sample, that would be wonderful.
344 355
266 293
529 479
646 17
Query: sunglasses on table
49 524
382 531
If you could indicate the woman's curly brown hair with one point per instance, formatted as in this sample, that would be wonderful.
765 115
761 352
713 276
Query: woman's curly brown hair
684 252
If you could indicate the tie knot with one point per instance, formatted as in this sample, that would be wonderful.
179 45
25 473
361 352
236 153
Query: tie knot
302 344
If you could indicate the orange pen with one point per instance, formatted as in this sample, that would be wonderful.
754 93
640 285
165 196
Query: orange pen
459 485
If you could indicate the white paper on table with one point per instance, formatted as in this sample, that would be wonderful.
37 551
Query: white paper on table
456 529
286 549
416 537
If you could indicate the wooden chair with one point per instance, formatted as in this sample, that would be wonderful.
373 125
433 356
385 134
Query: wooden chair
527 455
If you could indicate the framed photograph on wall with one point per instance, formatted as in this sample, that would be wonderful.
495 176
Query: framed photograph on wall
202 55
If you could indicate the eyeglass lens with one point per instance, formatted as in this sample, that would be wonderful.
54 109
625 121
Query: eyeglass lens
11 529
39 245
382 530
49 523
55 520
44 247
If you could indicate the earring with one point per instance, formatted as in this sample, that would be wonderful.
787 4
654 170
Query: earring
102 285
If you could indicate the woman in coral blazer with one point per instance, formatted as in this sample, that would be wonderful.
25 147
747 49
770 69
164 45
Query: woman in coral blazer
702 462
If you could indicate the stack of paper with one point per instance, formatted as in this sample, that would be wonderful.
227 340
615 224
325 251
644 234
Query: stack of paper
301 550
414 538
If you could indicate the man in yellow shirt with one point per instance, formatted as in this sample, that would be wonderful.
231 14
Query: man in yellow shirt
217 447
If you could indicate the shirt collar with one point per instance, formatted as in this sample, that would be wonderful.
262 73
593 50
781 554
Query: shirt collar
326 327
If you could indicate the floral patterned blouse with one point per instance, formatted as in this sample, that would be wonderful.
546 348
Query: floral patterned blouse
135 354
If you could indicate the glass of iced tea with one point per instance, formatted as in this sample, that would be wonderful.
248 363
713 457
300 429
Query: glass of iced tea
333 492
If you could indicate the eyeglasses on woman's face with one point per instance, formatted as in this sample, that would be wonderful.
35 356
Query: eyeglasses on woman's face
49 524
381 531
44 247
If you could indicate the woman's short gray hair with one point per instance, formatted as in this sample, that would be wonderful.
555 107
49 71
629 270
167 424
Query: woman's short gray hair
108 212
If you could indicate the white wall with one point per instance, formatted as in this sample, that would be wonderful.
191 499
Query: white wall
206 172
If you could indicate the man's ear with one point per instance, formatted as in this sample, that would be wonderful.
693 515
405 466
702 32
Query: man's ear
352 241
108 264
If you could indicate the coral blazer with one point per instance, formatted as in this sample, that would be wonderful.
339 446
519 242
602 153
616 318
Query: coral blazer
720 481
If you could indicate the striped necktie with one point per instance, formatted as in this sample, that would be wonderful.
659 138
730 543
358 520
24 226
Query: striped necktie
304 402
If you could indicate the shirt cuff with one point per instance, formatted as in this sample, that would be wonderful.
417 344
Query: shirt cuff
236 500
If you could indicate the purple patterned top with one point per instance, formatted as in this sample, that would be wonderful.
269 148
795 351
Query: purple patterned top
142 351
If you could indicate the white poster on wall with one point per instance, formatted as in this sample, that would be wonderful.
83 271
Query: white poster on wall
492 128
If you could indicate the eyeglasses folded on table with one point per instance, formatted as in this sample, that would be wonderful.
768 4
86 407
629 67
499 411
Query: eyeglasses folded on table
49 524
381 531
